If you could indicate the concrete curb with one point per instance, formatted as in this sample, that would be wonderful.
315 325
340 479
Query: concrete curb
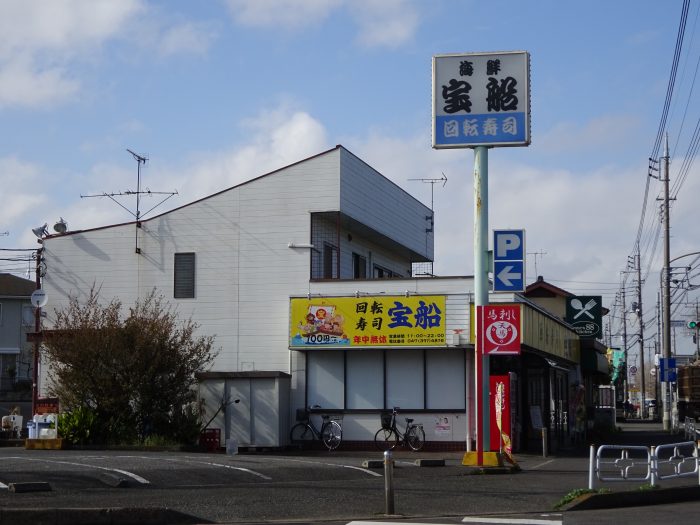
108 516
29 486
636 498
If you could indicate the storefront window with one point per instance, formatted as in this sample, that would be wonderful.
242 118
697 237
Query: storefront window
445 371
405 379
325 379
365 379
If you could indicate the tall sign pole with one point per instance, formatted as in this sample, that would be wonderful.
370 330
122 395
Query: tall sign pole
481 100
481 296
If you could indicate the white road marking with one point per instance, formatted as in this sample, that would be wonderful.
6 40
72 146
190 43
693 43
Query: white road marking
513 521
386 523
208 463
133 476
366 471
3 486
542 464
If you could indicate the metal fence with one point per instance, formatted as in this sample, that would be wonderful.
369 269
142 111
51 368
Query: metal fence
621 463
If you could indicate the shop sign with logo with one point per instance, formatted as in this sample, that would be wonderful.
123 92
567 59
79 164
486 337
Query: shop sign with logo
370 321
585 314
502 329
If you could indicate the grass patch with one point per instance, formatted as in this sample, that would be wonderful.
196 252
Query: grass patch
648 486
571 496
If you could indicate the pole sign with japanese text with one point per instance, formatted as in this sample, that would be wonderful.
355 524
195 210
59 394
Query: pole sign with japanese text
502 329
369 321
481 99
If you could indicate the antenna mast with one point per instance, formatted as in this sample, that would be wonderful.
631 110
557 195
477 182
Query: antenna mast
430 217
137 214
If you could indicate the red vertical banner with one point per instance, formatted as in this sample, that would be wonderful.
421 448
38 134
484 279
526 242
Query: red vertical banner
499 407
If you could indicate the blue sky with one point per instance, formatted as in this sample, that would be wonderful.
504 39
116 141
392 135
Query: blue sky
217 92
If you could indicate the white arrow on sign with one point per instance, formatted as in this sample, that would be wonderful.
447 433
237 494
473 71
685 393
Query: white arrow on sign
505 275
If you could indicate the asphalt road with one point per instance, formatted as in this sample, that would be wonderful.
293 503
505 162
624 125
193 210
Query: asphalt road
221 488
250 488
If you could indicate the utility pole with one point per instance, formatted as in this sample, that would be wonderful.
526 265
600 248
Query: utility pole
641 329
624 339
666 285
37 338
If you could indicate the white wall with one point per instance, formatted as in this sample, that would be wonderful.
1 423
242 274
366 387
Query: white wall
374 200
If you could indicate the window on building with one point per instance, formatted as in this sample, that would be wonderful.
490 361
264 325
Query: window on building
365 379
382 273
381 379
405 379
359 266
325 379
330 261
184 276
444 376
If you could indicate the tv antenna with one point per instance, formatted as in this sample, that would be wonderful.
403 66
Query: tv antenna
432 183
140 159
430 217
541 253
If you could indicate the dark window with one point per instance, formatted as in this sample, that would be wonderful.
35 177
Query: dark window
382 273
330 261
184 276
359 266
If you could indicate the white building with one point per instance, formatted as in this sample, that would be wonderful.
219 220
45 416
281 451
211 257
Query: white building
329 230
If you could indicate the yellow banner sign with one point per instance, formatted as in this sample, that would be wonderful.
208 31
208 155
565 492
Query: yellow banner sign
367 321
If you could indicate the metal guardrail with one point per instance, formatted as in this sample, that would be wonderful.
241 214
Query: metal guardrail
616 463
691 429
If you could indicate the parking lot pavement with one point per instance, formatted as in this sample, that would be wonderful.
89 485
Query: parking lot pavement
303 485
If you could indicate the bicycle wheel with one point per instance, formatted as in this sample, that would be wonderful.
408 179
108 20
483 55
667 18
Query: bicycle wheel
385 439
301 434
415 437
332 435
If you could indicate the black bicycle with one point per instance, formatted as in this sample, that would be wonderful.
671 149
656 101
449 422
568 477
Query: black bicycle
389 435
304 432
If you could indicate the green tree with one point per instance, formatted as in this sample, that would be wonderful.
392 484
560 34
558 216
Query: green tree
134 370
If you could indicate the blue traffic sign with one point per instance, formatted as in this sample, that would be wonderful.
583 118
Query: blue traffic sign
667 369
508 260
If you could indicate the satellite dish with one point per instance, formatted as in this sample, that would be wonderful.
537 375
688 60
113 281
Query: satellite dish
60 226
41 231
39 298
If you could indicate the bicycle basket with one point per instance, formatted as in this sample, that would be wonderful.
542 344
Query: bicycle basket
302 415
386 419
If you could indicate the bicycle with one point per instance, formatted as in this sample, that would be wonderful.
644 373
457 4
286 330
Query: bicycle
389 435
305 431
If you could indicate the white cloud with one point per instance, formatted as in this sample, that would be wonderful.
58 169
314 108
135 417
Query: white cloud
384 23
185 38
25 84
601 132
287 13
38 41
278 138
19 182
43 41
61 25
